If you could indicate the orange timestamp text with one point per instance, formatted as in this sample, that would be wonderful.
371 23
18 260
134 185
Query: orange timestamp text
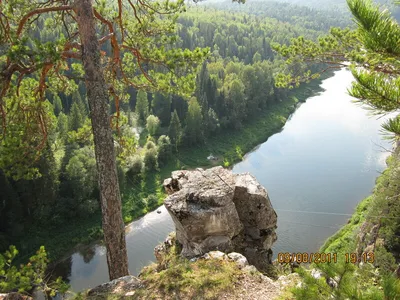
286 257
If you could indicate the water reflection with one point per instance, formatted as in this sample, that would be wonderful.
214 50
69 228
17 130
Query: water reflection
88 267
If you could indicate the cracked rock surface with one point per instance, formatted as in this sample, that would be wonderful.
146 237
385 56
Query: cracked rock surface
215 209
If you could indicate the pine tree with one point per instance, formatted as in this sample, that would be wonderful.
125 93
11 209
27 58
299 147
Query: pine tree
57 104
142 107
175 130
76 118
62 126
161 106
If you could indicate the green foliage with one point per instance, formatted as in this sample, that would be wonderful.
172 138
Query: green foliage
57 104
212 121
351 282
27 277
384 260
135 165
194 123
20 147
81 173
152 124
152 202
151 158
391 128
142 106
175 129
62 126
234 91
205 279
164 149
76 118
161 106
167 46
150 145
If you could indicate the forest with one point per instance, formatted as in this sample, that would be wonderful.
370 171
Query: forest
233 85
194 81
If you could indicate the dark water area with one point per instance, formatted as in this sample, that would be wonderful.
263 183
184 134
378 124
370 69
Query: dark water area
316 170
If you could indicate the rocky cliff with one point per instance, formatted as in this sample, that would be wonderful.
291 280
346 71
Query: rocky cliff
215 209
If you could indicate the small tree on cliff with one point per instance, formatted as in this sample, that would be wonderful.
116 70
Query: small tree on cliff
136 40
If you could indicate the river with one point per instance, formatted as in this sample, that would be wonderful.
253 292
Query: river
316 170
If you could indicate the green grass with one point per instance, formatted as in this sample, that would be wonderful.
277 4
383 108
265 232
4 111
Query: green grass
178 278
203 279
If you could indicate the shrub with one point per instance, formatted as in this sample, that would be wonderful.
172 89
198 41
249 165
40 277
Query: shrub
152 201
151 158
164 148
150 145
135 165
29 276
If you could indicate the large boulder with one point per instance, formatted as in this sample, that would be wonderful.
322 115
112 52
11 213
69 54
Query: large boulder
215 209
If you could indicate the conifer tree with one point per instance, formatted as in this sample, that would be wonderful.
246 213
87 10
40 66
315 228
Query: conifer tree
76 118
175 130
142 107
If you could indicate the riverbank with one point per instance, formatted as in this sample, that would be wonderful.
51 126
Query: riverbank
375 225
228 146
366 248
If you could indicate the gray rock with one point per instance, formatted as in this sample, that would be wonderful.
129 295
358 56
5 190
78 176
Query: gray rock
14 296
215 209
215 255
333 283
316 274
120 286
240 259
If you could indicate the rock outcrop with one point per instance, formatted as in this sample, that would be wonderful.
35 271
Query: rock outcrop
118 288
14 296
215 209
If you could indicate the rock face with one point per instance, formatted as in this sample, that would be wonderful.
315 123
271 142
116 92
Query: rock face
215 209
14 296
119 288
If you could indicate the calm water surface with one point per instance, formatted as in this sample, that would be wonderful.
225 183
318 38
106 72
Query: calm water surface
316 170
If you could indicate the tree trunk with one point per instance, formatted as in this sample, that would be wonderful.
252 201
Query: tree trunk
98 97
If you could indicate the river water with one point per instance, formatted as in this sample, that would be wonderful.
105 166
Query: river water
316 170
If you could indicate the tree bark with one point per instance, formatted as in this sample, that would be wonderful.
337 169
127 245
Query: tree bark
98 97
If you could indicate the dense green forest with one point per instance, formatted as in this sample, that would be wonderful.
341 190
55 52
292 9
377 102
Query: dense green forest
155 131
49 190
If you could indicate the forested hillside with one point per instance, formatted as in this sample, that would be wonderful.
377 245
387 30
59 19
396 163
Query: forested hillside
54 198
